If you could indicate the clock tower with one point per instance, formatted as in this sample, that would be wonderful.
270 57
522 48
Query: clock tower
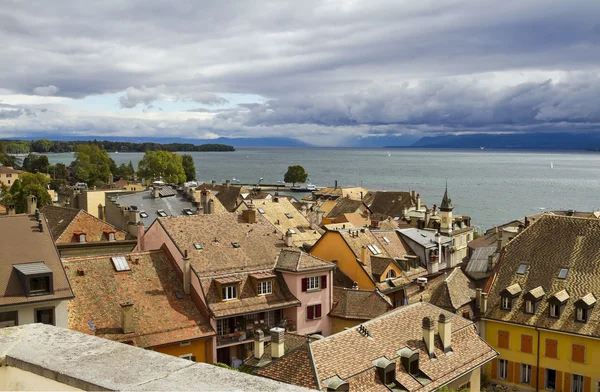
446 214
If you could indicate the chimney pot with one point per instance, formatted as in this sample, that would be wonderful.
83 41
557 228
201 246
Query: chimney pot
277 342
259 343
445 332
428 335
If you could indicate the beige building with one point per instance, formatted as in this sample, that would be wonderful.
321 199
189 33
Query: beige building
8 175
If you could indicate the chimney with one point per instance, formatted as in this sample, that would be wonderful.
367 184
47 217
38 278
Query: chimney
204 199
31 204
140 236
363 254
418 202
355 286
427 214
434 212
259 344
277 342
490 262
213 183
526 221
428 335
288 239
127 320
404 211
11 210
413 194
478 298
40 225
483 307
155 192
276 197
187 272
499 244
445 332
210 207
227 183
249 214
303 211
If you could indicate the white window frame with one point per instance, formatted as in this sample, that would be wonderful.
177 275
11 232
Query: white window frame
577 383
525 374
82 238
506 303
313 283
503 369
391 274
222 327
111 236
554 311
269 319
187 356
265 287
229 292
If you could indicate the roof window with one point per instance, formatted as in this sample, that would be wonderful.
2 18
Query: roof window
387 240
143 214
198 246
235 244
161 213
289 216
261 211
187 211
301 229
562 274
120 263
522 269
374 249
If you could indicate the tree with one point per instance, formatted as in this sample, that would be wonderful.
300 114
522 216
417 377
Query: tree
59 171
125 171
41 145
35 163
28 184
295 174
92 165
188 167
162 165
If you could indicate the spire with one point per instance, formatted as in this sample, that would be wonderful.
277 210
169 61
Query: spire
446 201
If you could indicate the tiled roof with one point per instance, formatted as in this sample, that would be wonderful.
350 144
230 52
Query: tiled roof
479 263
152 285
294 368
340 279
349 355
9 170
355 193
345 206
284 216
325 206
217 205
354 219
451 291
548 245
228 195
359 304
389 204
258 248
23 243
291 342
249 301
296 261
65 222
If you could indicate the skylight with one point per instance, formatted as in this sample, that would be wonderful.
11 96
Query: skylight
198 246
235 244
301 229
261 211
374 249
187 211
143 214
292 231
161 213
562 274
289 216
387 240
120 263
522 269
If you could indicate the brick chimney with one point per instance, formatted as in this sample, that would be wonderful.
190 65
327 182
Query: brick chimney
141 230
277 342
249 214
445 332
428 335
187 272
259 343
127 317
31 204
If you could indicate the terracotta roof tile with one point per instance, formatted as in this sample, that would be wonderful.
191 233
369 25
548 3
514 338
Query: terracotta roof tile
152 285
65 222
229 196
296 261
389 204
293 368
346 206
449 291
359 304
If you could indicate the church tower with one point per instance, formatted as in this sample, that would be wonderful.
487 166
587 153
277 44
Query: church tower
446 214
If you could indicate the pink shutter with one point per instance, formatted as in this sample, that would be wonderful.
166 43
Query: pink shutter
323 281
310 313
304 284
317 311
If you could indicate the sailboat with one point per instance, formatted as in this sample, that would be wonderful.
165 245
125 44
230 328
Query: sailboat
551 165
389 154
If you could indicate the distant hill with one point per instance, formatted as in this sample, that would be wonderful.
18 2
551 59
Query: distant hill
524 141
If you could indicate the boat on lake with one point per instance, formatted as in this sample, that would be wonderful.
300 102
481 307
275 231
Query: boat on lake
305 188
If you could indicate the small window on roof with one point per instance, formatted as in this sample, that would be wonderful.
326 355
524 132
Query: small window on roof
522 269
261 211
161 213
198 246
120 263
292 231
289 216
143 214
235 244
562 274
387 240
301 229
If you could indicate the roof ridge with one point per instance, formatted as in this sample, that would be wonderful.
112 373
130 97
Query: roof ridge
83 258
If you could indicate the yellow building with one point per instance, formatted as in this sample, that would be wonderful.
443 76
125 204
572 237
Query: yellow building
540 312
8 175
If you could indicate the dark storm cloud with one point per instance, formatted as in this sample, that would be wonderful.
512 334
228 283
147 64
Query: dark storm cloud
345 67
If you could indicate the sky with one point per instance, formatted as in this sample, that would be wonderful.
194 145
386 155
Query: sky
323 72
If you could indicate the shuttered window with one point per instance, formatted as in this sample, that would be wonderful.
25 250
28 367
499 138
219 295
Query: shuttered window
578 353
551 348
503 339
526 344
313 312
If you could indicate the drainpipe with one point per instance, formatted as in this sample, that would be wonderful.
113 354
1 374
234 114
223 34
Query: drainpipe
537 369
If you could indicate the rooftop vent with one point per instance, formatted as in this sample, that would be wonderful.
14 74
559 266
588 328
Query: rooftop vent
235 244
364 331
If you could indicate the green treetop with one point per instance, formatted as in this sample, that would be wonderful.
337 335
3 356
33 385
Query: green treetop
162 165
188 167
28 184
295 174
92 165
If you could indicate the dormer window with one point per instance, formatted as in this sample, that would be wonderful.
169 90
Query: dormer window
583 308
110 235
532 299
265 287
391 274
81 237
529 307
228 287
386 370
506 303
554 311
229 292
36 278
410 361
557 303
508 295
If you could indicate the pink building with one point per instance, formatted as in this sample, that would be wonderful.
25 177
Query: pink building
310 280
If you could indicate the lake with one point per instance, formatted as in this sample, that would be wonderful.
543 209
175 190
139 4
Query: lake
490 186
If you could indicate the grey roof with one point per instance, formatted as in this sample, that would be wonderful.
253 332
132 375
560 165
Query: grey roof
91 363
480 259
144 201
33 268
426 238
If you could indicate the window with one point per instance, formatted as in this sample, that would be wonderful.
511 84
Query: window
581 314
9 319
387 240
143 214
525 374
222 327
502 369
391 274
526 344
189 357
576 383
390 376
551 348
550 379
522 269
313 283
506 303
313 312
554 311
111 236
44 316
562 274
578 353
161 213
265 287
81 237
8 175
198 246
289 216
269 319
529 307
39 285
503 338
229 292
120 263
